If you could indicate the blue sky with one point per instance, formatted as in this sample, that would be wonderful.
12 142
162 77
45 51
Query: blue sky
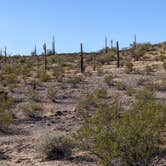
24 23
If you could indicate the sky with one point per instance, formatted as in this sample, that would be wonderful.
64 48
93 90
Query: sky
26 23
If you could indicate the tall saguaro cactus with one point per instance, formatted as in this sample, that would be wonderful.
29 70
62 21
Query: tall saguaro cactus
45 56
118 58
5 53
111 44
135 41
1 54
53 45
82 59
35 51
106 47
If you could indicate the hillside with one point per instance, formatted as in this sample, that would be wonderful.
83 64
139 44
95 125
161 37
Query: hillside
40 103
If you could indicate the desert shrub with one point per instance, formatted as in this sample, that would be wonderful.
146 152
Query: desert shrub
5 119
131 137
75 81
148 69
108 80
52 92
162 58
10 79
58 71
156 86
139 51
6 102
164 65
145 95
33 95
25 71
142 82
120 85
32 110
129 67
55 146
160 86
130 91
104 59
44 77
100 71
89 104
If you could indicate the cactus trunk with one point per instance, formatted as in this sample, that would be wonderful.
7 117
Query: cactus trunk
118 58
45 57
82 59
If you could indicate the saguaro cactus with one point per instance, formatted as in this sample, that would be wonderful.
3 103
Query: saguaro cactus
82 59
135 41
1 54
35 51
94 62
53 45
45 57
118 58
5 53
111 44
106 47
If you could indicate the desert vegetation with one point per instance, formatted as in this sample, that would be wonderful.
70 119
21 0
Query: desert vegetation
101 108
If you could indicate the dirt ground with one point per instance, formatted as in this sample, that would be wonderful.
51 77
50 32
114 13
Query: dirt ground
18 144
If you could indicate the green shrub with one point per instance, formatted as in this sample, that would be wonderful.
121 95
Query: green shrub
58 71
10 79
109 80
164 65
89 104
6 102
148 69
162 58
120 86
131 137
55 146
32 110
44 77
130 91
5 120
105 59
100 71
33 95
75 81
129 67
52 92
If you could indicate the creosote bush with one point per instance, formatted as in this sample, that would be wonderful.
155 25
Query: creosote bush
32 110
75 81
44 77
87 106
5 117
131 137
129 67
164 65
56 146
52 92
109 80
